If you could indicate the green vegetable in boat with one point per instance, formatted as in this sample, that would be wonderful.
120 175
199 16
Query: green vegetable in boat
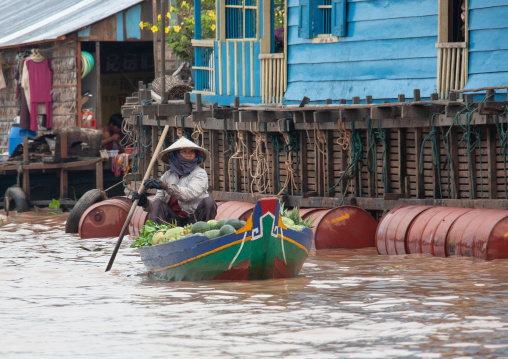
200 227
220 223
212 223
214 233
173 232
288 222
227 229
235 222
158 238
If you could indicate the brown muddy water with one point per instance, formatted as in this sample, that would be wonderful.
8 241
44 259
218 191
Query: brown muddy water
56 301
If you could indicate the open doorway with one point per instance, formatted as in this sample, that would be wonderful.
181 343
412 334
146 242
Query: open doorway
118 67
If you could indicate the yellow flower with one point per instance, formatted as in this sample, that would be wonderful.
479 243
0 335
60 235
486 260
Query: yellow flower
212 27
192 21
141 25
177 28
168 15
212 13
167 30
154 28
184 3
159 17
171 9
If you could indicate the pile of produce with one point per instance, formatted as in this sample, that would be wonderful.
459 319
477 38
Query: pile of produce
292 219
153 233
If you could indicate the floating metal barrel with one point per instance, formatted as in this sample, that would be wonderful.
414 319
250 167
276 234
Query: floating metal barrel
393 228
347 227
480 233
138 220
235 209
418 226
435 229
104 219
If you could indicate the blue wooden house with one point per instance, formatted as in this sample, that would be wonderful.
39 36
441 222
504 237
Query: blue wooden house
339 49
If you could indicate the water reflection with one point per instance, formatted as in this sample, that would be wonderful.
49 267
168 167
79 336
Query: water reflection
57 301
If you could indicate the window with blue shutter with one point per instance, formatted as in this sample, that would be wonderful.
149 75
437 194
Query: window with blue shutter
339 18
305 23
319 18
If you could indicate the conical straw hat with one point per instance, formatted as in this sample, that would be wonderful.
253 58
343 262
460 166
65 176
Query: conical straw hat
180 144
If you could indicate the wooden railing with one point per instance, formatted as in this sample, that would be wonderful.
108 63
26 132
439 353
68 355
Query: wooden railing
204 69
273 77
452 67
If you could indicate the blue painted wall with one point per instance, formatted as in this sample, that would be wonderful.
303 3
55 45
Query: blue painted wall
488 50
389 49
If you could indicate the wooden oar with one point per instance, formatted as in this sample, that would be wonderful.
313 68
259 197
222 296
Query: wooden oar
135 203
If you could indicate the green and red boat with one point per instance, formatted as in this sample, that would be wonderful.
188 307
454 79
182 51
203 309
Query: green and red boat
264 248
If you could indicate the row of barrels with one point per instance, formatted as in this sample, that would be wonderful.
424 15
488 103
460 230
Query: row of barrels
444 231
408 229
341 227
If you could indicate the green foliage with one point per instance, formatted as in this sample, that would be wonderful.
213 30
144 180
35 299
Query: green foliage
55 204
180 32
147 232
294 215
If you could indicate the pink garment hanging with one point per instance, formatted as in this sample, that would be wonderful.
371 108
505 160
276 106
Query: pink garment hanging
40 76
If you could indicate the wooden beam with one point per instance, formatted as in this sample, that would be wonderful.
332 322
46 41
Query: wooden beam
402 152
215 164
420 189
454 153
492 161
99 179
329 164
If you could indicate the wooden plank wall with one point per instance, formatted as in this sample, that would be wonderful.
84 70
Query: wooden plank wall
374 51
64 65
488 56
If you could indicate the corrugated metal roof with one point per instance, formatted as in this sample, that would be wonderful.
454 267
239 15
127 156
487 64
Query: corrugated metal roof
23 22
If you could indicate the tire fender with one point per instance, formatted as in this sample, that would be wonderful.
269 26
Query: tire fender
89 198
15 195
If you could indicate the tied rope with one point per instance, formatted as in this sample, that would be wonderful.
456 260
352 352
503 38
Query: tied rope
290 147
198 132
240 154
372 154
471 140
261 175
345 140
432 136
354 165
502 131
320 145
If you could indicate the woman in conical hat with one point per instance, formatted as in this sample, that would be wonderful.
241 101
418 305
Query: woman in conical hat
182 191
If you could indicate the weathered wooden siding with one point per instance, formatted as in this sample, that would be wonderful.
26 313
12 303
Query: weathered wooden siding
488 49
63 62
389 49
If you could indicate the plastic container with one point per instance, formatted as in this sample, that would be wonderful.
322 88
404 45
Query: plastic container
16 136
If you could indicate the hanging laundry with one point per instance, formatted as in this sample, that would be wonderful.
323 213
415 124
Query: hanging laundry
40 76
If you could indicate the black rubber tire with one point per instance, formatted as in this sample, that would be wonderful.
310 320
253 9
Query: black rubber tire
15 194
89 198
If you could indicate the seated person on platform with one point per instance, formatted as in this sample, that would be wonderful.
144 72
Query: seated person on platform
112 134
182 192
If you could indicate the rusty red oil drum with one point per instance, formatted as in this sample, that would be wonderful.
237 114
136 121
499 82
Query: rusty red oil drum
480 233
418 226
307 212
104 219
235 209
139 218
433 236
392 230
347 227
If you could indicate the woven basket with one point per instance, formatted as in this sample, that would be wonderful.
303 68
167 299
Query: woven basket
175 88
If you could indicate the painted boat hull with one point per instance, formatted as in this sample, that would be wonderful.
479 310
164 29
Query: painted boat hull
263 249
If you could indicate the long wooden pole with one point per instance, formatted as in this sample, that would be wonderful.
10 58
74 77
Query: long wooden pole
135 203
